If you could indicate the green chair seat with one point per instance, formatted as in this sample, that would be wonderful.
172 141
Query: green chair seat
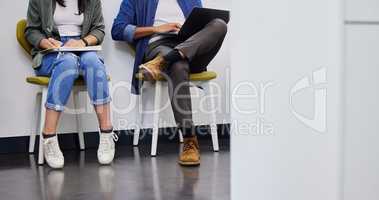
202 76
44 81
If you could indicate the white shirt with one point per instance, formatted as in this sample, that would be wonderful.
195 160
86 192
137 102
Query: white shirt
67 20
168 11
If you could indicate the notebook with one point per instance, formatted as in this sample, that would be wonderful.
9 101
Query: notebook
72 49
199 18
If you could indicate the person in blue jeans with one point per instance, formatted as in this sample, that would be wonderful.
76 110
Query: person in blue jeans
70 23
65 67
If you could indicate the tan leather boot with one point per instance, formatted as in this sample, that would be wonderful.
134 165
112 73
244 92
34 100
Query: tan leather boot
151 70
191 153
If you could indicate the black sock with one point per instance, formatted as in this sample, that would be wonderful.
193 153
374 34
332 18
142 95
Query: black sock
106 131
47 136
188 132
173 56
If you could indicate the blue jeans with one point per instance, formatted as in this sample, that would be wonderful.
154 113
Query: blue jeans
64 68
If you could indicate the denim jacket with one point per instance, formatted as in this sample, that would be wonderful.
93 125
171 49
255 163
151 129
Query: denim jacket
40 24
141 13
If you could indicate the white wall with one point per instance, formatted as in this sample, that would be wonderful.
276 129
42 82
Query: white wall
284 43
362 10
18 98
361 149
291 39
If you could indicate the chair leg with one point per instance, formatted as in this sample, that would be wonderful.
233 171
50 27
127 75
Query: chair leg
32 141
79 123
41 125
181 139
156 110
138 128
32 137
211 105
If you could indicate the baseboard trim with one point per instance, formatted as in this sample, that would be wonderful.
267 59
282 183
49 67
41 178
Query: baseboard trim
70 141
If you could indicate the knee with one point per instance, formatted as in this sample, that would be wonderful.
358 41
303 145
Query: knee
90 60
220 26
70 60
179 69
92 65
69 64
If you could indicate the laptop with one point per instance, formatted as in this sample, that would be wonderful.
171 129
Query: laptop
199 18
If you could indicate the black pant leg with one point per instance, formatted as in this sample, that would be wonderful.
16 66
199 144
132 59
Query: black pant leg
180 96
203 46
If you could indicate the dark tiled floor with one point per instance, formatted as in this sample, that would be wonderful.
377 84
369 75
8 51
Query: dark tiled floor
134 175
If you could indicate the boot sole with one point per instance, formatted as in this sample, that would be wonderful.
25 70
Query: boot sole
146 73
189 163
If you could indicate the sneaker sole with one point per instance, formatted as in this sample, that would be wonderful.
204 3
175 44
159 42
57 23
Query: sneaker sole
55 167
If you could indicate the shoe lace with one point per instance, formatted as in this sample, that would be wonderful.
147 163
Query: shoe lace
188 146
52 148
157 61
115 137
106 142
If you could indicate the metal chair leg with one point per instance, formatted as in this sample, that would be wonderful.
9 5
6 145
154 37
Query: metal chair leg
139 114
208 90
79 123
157 104
181 139
41 125
32 137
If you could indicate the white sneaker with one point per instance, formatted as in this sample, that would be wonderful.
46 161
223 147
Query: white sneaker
106 151
53 153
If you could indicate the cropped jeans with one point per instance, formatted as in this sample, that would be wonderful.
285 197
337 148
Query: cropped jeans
65 67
